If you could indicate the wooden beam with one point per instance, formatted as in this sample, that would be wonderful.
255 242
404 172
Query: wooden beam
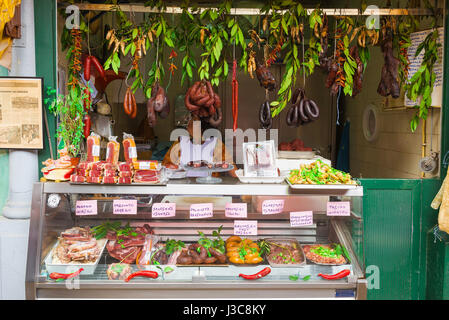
255 11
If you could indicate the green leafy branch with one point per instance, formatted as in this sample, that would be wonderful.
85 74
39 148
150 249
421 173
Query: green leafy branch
420 87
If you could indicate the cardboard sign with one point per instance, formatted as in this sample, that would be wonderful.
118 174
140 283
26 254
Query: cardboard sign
245 227
272 206
86 208
236 210
342 208
301 219
124 207
163 210
201 210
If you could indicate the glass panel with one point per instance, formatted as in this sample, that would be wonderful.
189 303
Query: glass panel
279 245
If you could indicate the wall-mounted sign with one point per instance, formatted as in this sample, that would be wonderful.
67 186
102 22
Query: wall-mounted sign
21 120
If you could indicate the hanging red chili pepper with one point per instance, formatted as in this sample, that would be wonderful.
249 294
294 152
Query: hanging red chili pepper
235 95
143 273
262 273
340 275
56 275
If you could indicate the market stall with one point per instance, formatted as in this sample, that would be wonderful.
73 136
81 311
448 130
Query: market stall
161 190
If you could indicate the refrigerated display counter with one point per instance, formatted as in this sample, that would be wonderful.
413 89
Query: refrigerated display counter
57 215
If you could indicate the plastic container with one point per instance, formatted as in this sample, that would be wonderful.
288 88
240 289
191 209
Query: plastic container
268 180
89 268
286 241
323 264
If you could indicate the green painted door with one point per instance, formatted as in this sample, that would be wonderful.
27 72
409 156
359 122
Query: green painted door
392 211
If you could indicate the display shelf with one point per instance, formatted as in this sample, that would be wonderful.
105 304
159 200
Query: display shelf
229 186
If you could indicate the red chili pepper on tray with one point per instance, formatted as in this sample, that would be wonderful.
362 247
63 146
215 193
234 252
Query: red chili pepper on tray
143 273
262 273
340 275
56 275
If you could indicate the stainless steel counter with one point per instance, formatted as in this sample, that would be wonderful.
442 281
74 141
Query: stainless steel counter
229 186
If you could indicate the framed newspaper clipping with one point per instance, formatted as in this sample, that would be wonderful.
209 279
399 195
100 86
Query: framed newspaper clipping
21 116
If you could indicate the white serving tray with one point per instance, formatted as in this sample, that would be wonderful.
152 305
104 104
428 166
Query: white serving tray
89 268
270 180
322 186
296 154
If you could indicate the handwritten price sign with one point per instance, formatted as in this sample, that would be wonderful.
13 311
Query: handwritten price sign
201 210
245 227
272 206
342 208
163 210
236 210
86 208
301 219
124 207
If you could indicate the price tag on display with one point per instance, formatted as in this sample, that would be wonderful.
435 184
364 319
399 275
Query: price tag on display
236 210
86 208
301 219
132 152
201 210
272 206
245 227
163 210
96 150
342 208
124 207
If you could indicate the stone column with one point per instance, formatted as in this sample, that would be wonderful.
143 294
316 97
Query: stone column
23 164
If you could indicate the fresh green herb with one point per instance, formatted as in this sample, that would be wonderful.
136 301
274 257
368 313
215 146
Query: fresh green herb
294 278
172 245
168 269
118 268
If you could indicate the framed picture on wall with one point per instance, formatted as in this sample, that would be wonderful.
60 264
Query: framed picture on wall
21 116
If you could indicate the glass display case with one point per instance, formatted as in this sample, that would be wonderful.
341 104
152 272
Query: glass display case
121 230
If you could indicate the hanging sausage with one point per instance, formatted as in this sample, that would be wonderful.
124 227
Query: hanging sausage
203 102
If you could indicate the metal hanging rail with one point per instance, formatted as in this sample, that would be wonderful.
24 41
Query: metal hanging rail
255 11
